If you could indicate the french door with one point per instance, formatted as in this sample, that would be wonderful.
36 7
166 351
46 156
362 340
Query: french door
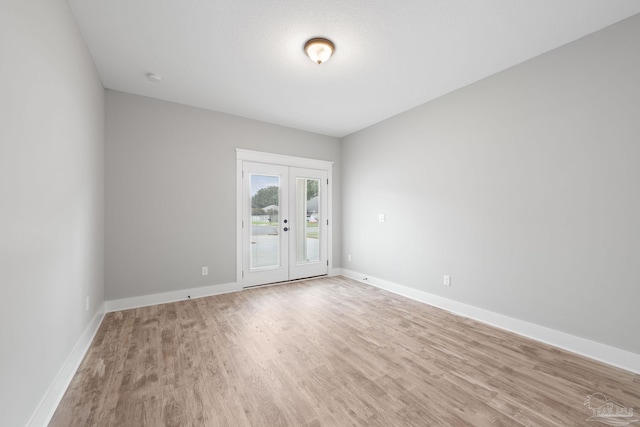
284 223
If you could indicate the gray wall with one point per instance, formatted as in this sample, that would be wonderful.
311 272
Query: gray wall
524 187
171 191
51 203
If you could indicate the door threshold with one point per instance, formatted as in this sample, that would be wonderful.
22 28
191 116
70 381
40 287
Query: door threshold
284 282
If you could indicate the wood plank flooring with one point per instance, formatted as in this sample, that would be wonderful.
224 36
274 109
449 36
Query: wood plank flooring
326 352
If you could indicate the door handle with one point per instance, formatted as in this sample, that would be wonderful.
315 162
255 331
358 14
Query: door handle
286 229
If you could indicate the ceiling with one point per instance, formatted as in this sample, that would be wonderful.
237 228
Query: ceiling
245 57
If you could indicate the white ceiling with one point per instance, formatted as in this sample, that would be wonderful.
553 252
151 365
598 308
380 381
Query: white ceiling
245 57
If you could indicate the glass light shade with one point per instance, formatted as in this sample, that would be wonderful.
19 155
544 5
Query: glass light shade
319 50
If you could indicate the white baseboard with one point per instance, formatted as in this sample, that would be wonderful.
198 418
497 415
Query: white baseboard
165 297
47 406
591 349
335 272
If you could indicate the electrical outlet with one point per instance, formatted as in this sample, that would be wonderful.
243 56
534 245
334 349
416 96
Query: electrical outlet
447 280
205 271
381 217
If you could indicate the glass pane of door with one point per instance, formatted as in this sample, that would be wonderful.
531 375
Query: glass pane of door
307 201
265 210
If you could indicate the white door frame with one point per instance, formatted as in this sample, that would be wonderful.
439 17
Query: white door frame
278 159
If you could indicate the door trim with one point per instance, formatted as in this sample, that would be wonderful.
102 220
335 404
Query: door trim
243 155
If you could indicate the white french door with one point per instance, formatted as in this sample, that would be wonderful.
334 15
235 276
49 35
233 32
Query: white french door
308 231
284 230
265 209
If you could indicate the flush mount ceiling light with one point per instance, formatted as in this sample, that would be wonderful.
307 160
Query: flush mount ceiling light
319 49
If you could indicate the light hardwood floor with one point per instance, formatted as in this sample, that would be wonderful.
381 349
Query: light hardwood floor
330 352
